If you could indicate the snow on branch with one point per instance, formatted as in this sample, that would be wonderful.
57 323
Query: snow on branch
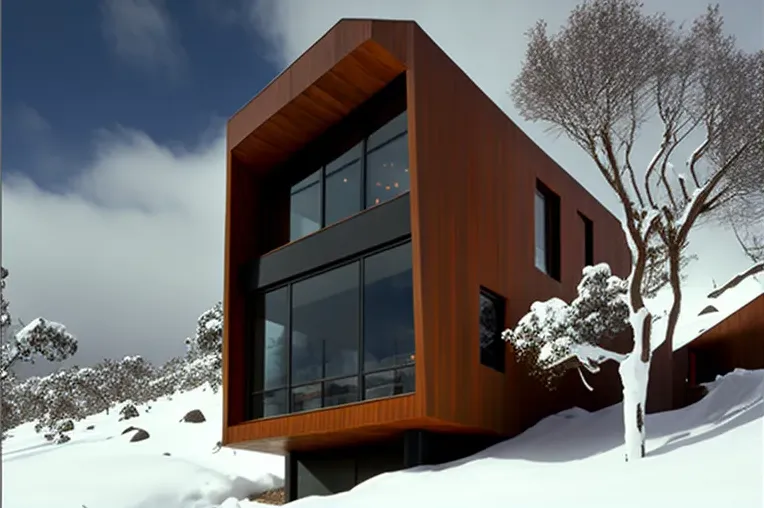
737 279
47 339
555 332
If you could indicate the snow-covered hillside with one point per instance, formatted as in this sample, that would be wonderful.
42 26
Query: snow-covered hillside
710 454
176 467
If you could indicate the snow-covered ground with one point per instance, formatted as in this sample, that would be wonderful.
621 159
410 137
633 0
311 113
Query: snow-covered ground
101 468
710 454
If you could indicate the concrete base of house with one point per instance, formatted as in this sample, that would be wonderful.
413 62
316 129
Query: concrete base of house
330 471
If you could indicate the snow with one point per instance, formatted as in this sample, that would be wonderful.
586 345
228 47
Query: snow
101 468
706 455
23 334
691 325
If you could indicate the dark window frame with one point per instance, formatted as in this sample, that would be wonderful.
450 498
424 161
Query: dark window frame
255 349
494 356
588 239
552 230
362 158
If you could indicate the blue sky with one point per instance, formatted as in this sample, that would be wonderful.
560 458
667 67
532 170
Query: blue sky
69 73
113 143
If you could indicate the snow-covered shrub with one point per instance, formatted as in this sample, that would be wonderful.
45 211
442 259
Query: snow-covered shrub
205 352
40 337
209 335
555 332
5 316
128 411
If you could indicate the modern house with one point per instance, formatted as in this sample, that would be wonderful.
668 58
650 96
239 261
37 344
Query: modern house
385 222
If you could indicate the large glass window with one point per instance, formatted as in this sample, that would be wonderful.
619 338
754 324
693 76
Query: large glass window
372 172
314 351
270 397
305 207
325 325
343 186
388 311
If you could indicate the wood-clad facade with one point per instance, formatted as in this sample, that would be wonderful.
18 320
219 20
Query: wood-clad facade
736 342
466 216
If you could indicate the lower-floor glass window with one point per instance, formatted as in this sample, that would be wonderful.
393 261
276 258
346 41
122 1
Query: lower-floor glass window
341 336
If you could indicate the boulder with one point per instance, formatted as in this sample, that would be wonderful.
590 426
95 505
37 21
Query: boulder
194 416
140 435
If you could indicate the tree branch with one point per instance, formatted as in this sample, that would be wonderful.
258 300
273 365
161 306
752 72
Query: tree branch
737 279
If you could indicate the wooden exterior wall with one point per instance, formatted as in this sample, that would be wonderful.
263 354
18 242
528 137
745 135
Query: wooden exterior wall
473 182
473 175
735 342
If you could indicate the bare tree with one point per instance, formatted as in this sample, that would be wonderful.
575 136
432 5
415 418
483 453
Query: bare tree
607 73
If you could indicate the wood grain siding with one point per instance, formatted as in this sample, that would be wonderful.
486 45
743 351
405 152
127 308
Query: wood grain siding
735 342
341 425
337 74
473 179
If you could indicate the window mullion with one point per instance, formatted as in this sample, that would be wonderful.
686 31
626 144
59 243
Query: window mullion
361 312
363 173
322 194
289 348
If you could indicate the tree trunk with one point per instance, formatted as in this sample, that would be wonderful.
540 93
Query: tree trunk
635 372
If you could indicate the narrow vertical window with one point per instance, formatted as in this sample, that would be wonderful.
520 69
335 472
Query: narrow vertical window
588 240
547 231
492 346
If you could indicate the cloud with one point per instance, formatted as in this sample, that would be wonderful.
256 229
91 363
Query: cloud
489 43
143 34
30 120
130 255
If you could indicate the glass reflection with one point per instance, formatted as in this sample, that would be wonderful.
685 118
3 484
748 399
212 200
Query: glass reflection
325 325
343 192
387 171
540 221
275 355
305 207
391 129
275 403
340 391
389 383
388 309
306 397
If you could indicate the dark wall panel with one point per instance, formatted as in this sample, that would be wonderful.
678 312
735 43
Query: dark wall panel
372 228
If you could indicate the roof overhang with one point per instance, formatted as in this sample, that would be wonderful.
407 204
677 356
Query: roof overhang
342 70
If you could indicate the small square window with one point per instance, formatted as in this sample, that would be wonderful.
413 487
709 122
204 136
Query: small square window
492 346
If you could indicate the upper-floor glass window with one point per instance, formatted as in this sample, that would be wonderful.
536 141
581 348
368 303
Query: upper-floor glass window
305 207
371 172
387 162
